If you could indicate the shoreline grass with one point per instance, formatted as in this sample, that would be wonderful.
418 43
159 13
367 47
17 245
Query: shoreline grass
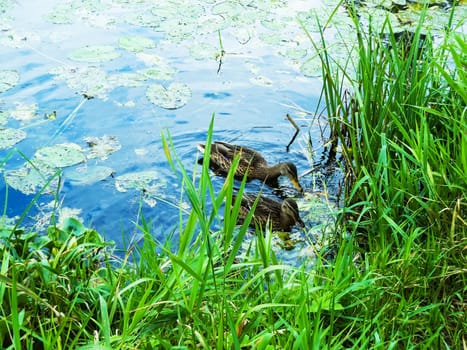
398 279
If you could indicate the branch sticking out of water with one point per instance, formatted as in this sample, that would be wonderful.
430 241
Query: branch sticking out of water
221 54
297 130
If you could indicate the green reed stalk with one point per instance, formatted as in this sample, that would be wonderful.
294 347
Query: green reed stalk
403 136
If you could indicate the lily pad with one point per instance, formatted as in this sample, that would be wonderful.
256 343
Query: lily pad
3 117
101 147
95 54
138 180
150 59
148 182
126 79
24 112
136 43
174 96
8 79
162 72
203 51
293 53
312 67
29 179
87 175
91 81
61 155
10 137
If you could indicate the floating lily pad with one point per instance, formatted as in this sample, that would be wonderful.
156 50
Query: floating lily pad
91 81
30 179
211 24
8 79
10 137
150 59
138 180
203 51
24 112
312 67
136 43
3 117
293 53
87 175
95 54
101 147
174 96
126 79
62 14
148 182
61 155
158 73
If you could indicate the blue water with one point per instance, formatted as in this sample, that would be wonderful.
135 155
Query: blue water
245 113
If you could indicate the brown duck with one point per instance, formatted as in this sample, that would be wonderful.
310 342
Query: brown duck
251 162
282 215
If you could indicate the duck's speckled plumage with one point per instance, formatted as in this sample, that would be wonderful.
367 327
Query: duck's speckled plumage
282 215
251 163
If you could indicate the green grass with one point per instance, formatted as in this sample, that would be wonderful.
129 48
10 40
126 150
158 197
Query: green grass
398 280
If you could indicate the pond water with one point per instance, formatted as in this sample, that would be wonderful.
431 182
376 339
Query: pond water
85 69
88 87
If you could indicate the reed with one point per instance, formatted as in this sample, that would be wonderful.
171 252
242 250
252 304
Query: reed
402 133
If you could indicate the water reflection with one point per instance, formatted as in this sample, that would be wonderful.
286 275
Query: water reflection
249 97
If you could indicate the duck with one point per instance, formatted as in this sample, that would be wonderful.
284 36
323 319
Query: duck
251 163
283 216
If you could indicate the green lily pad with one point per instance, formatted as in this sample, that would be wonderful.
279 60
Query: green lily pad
24 112
91 81
3 117
136 43
62 14
148 182
293 53
95 54
203 51
102 147
8 79
312 67
87 175
174 96
61 155
158 73
10 137
126 79
29 179
137 180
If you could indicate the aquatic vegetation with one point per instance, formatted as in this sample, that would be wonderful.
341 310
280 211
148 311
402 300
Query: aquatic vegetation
9 137
102 147
32 177
95 54
392 275
61 155
8 79
173 96
87 174
136 43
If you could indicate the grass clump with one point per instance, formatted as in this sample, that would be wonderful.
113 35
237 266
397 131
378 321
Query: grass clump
398 114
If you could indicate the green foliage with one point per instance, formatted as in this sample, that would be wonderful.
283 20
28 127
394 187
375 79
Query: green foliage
398 276
402 127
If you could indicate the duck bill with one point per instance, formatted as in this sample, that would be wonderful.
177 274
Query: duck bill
297 185
300 223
